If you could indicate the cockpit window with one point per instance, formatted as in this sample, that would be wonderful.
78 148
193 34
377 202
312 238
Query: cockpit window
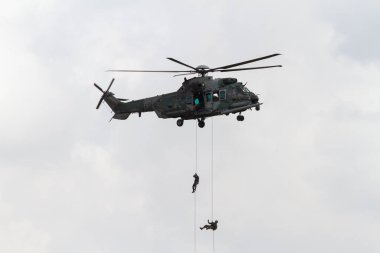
245 89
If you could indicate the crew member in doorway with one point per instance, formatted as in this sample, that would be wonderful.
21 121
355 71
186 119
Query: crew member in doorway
212 225
199 102
196 182
196 104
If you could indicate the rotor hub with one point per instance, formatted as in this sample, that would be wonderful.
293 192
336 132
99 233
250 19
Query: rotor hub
202 70
202 67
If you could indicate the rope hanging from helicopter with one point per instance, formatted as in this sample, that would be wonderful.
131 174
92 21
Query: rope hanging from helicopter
212 182
195 194
211 185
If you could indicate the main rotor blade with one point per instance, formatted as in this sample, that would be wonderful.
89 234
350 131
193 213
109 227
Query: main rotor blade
154 71
186 74
244 62
181 63
97 86
264 67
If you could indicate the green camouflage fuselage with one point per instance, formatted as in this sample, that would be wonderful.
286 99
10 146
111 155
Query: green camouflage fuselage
214 97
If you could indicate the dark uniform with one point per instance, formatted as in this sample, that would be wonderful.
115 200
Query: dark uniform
212 225
196 182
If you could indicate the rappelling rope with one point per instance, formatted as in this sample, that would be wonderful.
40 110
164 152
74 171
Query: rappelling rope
212 185
195 193
212 168
196 147
212 181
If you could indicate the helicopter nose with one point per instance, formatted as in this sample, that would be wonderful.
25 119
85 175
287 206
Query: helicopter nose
254 98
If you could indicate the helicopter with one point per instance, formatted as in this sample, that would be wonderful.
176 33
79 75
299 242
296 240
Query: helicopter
198 98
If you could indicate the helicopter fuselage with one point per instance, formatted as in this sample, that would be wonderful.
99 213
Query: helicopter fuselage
197 98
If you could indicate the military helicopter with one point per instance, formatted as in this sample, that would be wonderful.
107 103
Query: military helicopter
197 98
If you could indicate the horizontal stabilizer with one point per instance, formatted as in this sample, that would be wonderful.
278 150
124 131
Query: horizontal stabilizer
121 116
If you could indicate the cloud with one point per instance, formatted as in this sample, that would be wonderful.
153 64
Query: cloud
355 25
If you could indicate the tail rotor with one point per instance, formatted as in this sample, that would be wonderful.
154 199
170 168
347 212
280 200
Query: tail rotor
105 93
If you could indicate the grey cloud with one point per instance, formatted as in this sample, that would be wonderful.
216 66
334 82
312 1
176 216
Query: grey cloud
355 25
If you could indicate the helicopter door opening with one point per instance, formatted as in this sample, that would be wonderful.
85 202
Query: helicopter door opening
209 102
222 94
209 97
199 102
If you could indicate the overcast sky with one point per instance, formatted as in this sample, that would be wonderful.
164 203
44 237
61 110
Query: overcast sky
301 175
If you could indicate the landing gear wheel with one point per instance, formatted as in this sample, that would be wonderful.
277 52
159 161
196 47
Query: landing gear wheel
240 117
257 107
201 123
180 122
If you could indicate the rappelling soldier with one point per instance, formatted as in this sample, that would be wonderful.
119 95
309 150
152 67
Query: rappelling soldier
196 182
212 225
